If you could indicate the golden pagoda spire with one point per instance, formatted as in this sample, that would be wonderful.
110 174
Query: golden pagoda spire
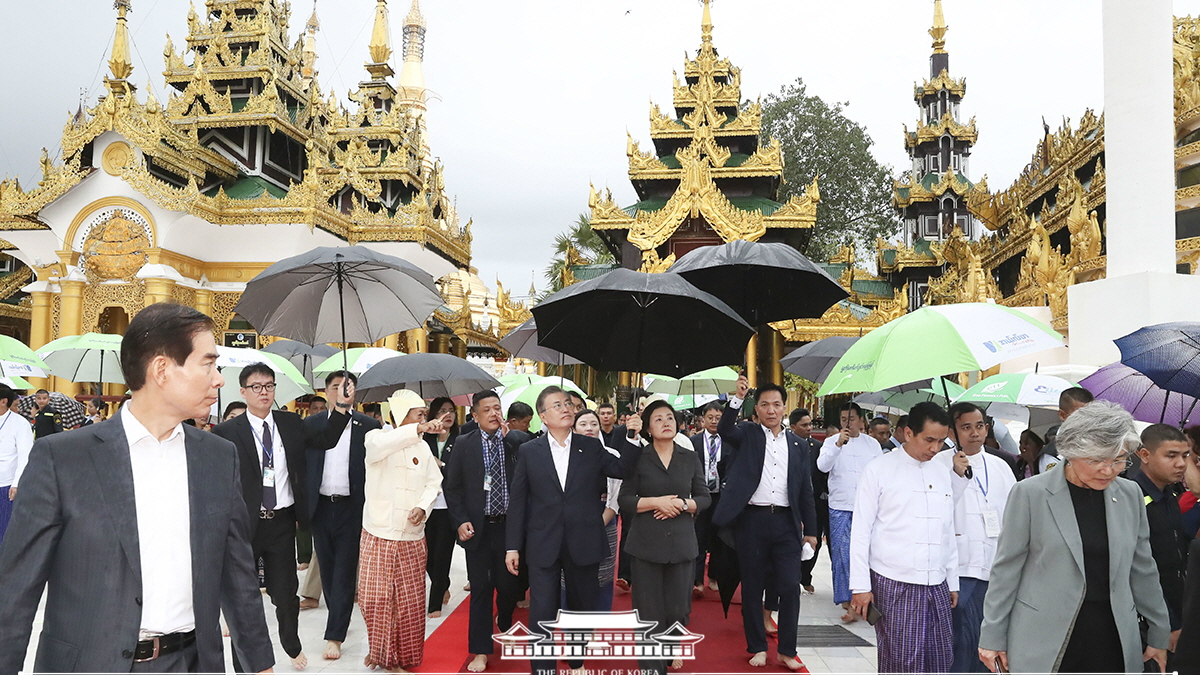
309 51
381 43
706 25
938 32
412 76
120 63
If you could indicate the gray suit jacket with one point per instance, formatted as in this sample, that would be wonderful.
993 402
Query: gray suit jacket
1037 581
74 528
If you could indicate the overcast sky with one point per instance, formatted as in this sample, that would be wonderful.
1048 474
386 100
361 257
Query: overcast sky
533 97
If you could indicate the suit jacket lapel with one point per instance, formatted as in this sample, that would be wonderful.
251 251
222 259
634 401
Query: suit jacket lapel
114 471
574 458
795 457
201 495
1063 512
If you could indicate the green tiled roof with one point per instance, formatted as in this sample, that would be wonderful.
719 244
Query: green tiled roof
872 287
751 203
932 179
250 187
833 269
735 159
889 256
585 272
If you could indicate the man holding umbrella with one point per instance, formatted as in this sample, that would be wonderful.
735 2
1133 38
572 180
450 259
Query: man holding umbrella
768 499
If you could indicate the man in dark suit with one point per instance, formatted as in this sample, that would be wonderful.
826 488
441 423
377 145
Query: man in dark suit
478 477
768 500
801 423
555 515
271 445
137 525
337 473
707 445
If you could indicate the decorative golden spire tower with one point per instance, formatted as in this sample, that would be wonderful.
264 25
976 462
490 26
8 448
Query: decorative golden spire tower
308 54
120 63
938 32
412 76
381 44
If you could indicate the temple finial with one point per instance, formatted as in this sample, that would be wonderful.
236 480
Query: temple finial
381 41
119 63
412 76
938 32
706 26
309 51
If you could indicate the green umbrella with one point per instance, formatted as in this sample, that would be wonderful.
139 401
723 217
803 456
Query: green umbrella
289 381
516 380
359 360
904 400
1020 388
91 357
16 359
528 394
15 383
938 340
715 381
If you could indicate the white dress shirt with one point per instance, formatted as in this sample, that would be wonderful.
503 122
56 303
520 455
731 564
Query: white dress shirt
844 466
335 476
160 491
710 467
986 490
16 439
561 454
283 489
614 485
772 484
903 525
440 502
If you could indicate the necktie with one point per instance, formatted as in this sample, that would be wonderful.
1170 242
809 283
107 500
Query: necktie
268 496
712 463
498 494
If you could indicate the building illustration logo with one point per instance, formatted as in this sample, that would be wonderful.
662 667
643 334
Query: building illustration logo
598 635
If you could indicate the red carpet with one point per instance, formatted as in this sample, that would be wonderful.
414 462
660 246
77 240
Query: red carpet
723 649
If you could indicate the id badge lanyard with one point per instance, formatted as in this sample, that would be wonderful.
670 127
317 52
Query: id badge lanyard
991 517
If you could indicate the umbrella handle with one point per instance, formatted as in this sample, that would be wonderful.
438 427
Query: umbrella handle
345 345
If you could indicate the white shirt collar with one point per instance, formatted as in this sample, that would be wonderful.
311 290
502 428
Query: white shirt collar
269 419
555 445
135 431
771 434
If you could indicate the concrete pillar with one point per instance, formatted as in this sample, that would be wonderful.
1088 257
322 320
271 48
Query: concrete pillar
1139 134
118 323
204 298
441 343
392 342
752 361
159 290
458 347
70 322
416 341
541 369
40 327
774 367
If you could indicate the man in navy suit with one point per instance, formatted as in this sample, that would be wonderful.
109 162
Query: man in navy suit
707 445
768 501
337 473
478 475
555 514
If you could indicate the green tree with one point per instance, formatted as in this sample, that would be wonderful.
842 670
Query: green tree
585 242
819 140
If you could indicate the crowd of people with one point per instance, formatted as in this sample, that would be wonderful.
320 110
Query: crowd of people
967 550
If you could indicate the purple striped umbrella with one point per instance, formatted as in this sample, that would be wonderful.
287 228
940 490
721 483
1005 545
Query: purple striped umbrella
1135 392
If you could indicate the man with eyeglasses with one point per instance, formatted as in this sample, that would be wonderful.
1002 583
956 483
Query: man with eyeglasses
271 446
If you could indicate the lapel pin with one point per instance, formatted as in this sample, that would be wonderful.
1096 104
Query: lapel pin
416 461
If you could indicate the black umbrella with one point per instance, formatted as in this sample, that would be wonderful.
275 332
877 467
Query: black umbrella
639 322
815 360
430 375
522 343
762 282
723 567
339 294
303 356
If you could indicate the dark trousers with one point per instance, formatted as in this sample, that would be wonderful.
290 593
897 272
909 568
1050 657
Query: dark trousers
336 531
662 594
623 566
768 544
186 660
1094 644
490 580
304 549
706 534
439 540
806 567
275 543
544 589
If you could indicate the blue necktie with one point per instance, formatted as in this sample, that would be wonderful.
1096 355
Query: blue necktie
268 497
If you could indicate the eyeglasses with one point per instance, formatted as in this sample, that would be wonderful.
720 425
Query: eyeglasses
260 388
1118 463
559 406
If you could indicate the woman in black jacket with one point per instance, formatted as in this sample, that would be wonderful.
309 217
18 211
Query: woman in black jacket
439 530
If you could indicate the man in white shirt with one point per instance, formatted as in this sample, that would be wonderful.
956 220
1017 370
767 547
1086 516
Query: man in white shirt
903 559
16 439
137 526
979 501
843 456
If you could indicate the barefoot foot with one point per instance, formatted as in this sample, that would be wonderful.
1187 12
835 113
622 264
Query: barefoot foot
478 664
309 603
435 615
759 660
769 623
792 663
333 650
300 662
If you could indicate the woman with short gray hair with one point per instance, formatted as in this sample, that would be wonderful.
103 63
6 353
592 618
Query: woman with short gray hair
1073 568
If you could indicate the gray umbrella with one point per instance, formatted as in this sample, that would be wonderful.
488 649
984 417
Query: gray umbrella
430 375
339 294
522 343
303 356
815 360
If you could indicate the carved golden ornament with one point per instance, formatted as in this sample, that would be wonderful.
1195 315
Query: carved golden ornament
917 192
116 157
653 264
1085 232
943 82
115 248
926 133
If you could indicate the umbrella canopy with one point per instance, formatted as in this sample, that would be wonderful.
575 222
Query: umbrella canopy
289 382
339 294
303 356
91 357
357 360
937 340
1138 394
1022 389
430 375
15 383
903 399
516 380
16 359
761 282
815 360
528 394
71 413
640 322
1167 353
713 381
522 343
